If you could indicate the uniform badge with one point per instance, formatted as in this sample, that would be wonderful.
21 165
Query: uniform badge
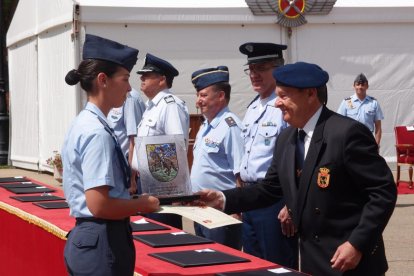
349 102
249 48
230 121
323 177
169 99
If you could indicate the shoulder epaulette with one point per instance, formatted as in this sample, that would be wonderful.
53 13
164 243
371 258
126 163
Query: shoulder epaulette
169 99
255 98
347 98
373 98
230 121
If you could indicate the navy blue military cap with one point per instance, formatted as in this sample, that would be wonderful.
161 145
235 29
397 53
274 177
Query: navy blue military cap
209 76
96 47
360 79
158 65
261 52
301 75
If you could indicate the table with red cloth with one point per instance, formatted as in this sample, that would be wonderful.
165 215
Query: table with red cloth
32 241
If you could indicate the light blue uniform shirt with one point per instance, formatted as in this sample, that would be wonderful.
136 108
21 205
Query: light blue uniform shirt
125 119
218 150
89 161
166 114
260 131
366 111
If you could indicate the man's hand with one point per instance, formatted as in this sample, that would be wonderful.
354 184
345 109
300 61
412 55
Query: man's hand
346 257
288 228
210 198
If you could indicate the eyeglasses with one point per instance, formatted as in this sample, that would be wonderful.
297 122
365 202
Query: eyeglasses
257 70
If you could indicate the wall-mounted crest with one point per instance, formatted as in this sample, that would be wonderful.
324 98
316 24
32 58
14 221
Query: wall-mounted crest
290 13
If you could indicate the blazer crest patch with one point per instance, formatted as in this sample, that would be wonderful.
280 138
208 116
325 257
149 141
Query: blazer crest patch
323 178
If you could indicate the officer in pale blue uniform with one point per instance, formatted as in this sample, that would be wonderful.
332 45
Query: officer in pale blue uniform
96 173
262 123
363 108
166 114
218 146
124 121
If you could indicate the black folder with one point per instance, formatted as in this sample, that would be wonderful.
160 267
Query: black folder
12 179
168 200
201 257
34 190
37 198
261 272
149 226
170 239
20 185
52 205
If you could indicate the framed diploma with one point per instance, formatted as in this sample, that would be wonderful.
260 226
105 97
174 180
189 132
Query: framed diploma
163 167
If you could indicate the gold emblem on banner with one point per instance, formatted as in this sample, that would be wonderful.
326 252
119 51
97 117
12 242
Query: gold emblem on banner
323 177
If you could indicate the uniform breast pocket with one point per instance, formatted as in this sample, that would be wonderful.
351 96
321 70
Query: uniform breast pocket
370 113
267 132
353 113
211 149
147 125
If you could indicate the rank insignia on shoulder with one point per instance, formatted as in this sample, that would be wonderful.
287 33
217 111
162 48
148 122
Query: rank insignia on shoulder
323 178
350 104
230 121
347 98
169 99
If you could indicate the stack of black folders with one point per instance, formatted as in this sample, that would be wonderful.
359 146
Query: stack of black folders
186 258
23 185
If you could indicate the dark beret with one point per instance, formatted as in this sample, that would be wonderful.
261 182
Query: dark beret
261 52
209 76
96 47
301 75
158 65
361 79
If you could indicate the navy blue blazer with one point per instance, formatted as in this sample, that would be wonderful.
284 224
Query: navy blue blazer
346 193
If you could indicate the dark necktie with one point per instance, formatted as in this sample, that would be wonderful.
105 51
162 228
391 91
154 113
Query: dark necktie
126 169
300 153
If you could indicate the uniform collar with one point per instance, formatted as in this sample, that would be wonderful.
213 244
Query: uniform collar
160 95
356 99
266 101
309 128
92 107
215 122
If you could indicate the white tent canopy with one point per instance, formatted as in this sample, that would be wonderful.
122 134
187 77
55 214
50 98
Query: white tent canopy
45 40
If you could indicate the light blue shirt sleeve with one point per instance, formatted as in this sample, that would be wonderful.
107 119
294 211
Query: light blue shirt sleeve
133 110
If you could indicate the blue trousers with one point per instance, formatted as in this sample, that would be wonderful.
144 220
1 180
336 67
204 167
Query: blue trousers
229 235
263 238
100 247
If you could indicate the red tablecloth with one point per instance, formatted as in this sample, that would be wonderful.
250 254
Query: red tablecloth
32 241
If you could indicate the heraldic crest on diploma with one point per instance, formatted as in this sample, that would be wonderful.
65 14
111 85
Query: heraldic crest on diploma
163 165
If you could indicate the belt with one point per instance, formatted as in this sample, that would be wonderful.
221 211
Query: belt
100 220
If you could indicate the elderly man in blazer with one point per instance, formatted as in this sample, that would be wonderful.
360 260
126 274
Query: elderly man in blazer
342 199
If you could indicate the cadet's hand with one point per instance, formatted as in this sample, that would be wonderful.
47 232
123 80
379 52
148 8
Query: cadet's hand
288 228
211 198
147 203
346 257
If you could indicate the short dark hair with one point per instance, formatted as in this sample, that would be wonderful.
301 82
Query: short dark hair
225 87
322 93
169 81
88 70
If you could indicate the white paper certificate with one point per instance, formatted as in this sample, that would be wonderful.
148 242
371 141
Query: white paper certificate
206 216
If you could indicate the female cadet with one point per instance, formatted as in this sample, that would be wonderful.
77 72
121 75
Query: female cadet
96 173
